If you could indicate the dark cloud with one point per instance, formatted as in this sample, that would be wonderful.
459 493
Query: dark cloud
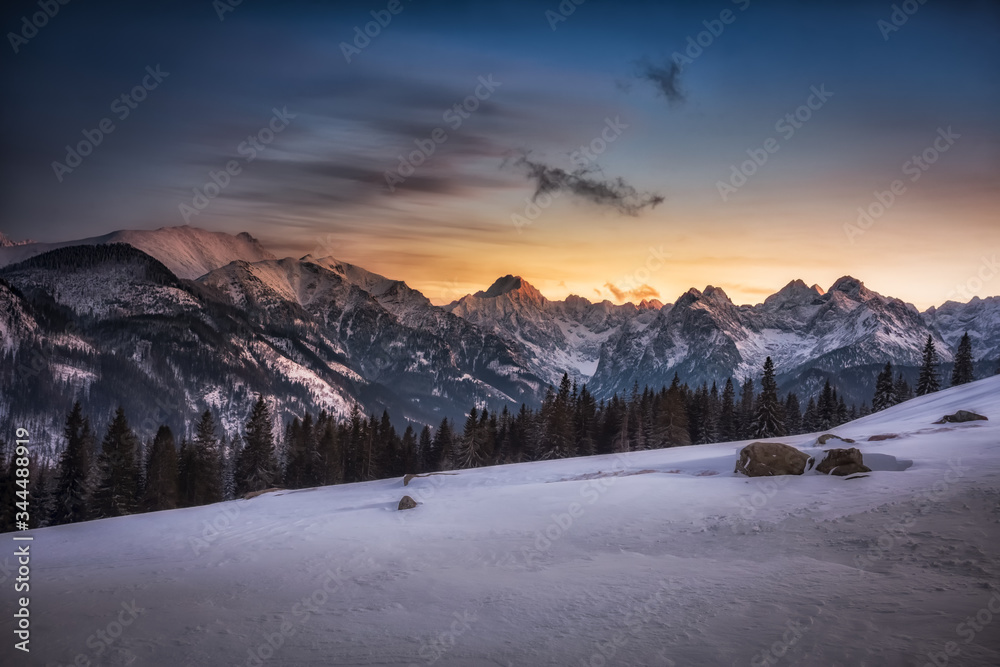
584 183
665 78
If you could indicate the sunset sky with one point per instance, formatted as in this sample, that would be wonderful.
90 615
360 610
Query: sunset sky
673 132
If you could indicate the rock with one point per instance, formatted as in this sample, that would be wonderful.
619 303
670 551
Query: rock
960 417
882 436
406 503
826 437
842 462
850 469
765 459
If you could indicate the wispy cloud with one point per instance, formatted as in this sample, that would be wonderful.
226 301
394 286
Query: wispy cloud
585 184
665 78
643 291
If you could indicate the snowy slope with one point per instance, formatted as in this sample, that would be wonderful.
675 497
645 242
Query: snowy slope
652 558
189 252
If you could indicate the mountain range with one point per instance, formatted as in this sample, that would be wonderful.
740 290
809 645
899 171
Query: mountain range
176 320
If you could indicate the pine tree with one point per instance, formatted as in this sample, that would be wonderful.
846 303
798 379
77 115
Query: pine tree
74 467
584 422
963 372
746 413
444 446
161 473
769 422
207 470
826 407
793 414
810 418
256 466
902 389
885 390
116 490
426 452
727 413
928 382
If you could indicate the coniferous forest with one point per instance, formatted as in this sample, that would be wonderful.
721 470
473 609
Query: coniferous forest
114 473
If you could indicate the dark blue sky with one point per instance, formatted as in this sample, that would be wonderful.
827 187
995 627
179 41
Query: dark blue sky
320 184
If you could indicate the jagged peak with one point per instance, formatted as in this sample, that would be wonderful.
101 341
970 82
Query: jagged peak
795 293
511 285
852 287
716 294
650 304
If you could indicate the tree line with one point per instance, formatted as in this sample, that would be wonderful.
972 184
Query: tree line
121 475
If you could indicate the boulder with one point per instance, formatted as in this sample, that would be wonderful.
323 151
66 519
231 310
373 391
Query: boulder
826 437
842 462
406 503
882 436
960 417
766 459
850 469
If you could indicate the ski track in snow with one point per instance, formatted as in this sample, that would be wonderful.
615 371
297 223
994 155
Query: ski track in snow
664 557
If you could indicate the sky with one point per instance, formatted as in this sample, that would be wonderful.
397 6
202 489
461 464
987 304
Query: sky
611 150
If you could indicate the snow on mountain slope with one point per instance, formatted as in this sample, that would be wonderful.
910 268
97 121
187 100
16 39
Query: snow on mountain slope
560 336
16 324
189 252
704 337
979 317
661 557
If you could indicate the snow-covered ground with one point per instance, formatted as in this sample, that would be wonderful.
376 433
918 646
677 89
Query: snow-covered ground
656 558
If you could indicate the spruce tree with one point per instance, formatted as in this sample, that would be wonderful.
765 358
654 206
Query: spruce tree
444 446
928 382
161 473
116 489
902 389
769 422
72 493
727 413
810 418
793 414
256 464
885 390
963 372
746 413
207 473
428 455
